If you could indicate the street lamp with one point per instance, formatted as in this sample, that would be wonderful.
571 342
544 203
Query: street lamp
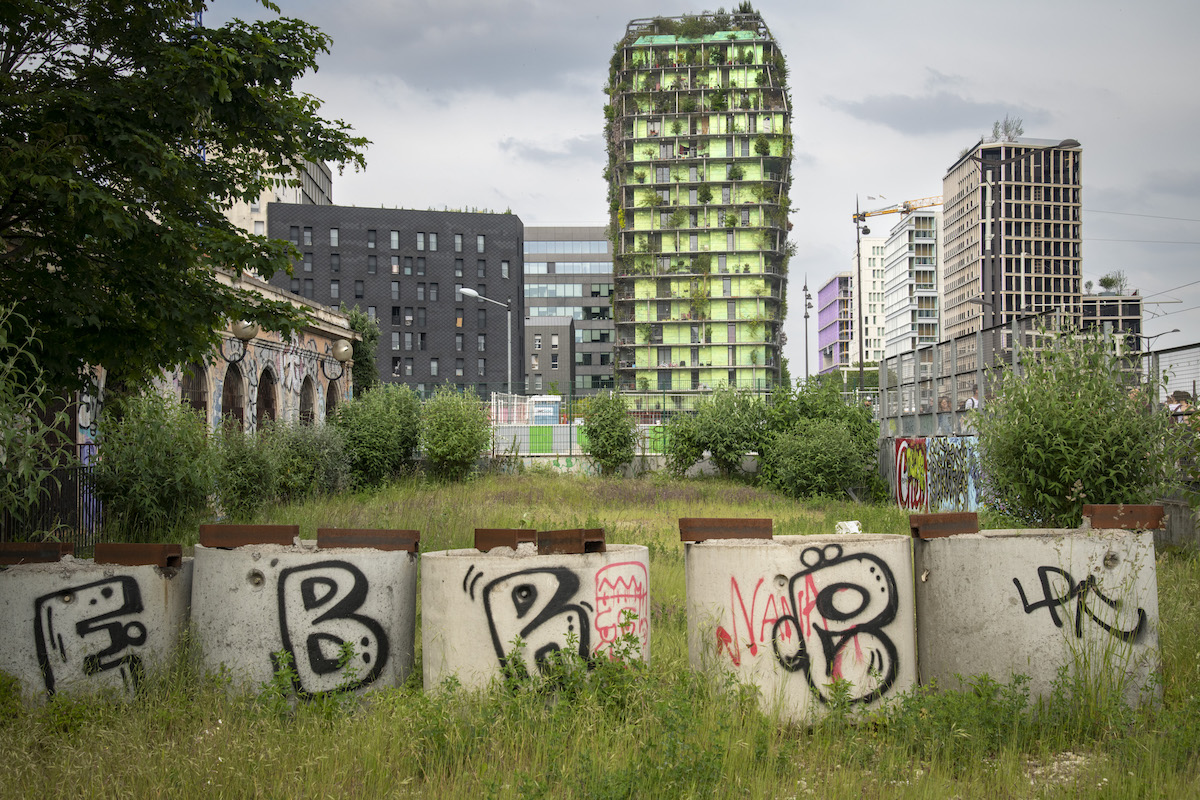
508 329
990 283
860 328
244 331
343 351
807 305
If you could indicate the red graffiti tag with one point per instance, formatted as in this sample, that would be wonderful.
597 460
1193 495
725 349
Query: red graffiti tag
757 626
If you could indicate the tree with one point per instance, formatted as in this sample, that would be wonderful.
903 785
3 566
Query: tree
454 431
611 433
1115 281
366 370
381 430
127 128
1008 129
1068 430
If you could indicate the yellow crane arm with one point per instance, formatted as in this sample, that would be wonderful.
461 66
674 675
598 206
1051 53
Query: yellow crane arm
907 207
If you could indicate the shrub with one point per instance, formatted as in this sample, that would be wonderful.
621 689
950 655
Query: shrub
381 430
727 424
310 460
366 370
815 457
611 433
454 432
155 469
247 470
1069 430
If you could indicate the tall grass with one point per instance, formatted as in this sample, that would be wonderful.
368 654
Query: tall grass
659 730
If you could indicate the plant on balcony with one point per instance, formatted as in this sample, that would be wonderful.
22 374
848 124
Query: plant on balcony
676 127
736 173
640 175
687 105
704 194
762 145
643 333
760 79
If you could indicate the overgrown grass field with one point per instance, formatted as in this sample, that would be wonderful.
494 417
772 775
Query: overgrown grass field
658 731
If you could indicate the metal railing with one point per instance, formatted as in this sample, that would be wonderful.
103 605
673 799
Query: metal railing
67 511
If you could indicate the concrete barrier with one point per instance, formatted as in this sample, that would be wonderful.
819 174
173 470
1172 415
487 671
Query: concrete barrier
1034 602
475 605
254 602
76 627
792 614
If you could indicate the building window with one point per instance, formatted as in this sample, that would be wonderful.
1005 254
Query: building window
308 237
335 290
370 240
421 317
372 265
458 342
395 340
481 317
395 240
408 265
255 206
308 262
333 237
458 292
458 267
481 366
459 367
408 315
504 269
308 288
395 265
294 235
371 312
259 227
479 243
481 268
537 341
420 292
554 361
420 341
335 262
433 241
420 241
358 290
408 340
554 341
433 292
408 366
481 342
533 361
395 290
458 317
295 286
458 242
433 367
420 265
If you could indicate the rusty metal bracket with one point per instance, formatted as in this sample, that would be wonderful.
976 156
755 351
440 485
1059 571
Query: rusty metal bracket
12 553
697 529
571 542
935 526
488 538
165 556
230 536
375 538
1125 517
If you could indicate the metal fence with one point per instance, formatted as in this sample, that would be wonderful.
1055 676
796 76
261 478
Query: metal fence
67 512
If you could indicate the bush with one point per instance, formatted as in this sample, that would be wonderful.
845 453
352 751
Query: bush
455 431
381 430
247 470
611 433
1069 430
728 425
815 457
310 460
155 470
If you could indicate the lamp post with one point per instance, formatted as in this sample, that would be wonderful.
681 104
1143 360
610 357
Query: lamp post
989 283
860 230
243 331
508 329
343 351
807 305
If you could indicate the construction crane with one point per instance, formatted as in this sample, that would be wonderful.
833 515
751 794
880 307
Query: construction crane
907 207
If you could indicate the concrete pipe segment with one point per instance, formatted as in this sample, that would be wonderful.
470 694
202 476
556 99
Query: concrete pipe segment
77 627
480 611
795 614
344 618
1034 602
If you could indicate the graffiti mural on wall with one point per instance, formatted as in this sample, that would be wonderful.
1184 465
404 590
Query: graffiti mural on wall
331 645
100 619
1113 616
911 472
622 605
828 621
952 467
937 474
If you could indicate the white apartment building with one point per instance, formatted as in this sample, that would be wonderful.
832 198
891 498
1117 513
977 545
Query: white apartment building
911 287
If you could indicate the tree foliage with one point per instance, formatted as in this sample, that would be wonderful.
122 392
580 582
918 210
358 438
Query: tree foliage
454 432
611 433
126 129
1069 430
366 368
728 425
381 431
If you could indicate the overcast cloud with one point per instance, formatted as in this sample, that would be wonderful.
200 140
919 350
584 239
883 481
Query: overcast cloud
495 105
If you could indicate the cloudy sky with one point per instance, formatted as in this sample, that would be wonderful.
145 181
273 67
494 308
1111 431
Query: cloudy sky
493 105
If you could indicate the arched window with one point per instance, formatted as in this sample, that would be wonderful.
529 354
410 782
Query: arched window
193 388
265 408
233 397
308 394
331 400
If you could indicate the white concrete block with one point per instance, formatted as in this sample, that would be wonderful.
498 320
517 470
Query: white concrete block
475 605
251 603
793 614
78 627
1033 602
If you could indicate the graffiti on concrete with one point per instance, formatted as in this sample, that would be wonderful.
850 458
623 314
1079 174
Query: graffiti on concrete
331 645
534 613
952 467
89 630
622 605
758 621
1059 588
911 474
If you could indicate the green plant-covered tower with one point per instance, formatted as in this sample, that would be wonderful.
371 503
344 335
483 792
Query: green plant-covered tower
699 168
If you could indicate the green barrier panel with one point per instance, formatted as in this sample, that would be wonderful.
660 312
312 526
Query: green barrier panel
541 439
581 438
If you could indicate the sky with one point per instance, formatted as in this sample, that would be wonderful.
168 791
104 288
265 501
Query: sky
496 105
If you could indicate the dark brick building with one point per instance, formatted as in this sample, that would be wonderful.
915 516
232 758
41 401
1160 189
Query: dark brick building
405 268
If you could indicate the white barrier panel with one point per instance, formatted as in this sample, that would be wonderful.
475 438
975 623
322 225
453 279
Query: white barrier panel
78 627
794 614
1032 603
480 611
345 618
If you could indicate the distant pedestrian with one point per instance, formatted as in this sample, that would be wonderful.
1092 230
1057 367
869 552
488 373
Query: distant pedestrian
973 401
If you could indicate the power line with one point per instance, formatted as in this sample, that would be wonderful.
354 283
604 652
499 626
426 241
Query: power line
1147 216
1139 241
1175 289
